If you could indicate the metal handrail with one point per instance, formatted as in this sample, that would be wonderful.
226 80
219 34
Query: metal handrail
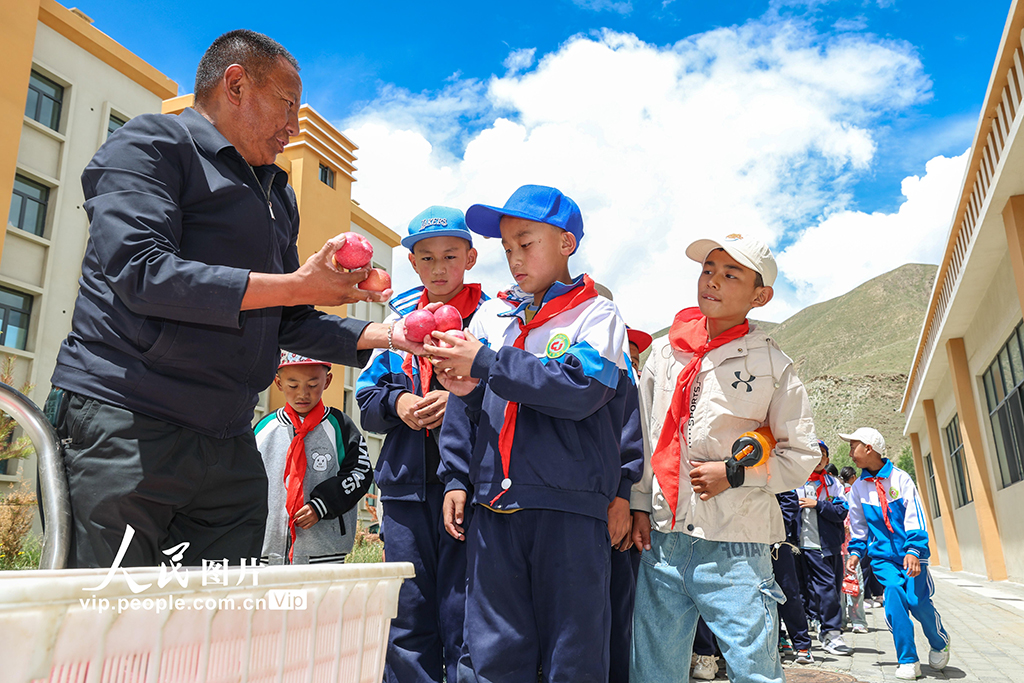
53 480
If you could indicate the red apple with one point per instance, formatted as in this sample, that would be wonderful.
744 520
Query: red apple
377 281
418 325
448 318
355 253
458 334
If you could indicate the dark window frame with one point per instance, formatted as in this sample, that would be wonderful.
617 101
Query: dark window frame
110 121
36 83
327 176
960 475
5 317
44 204
933 491
1003 380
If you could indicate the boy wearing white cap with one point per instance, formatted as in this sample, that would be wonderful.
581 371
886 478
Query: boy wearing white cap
705 513
887 526
317 468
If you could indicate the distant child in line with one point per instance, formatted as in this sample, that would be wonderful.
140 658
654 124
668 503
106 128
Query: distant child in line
545 379
823 510
317 469
887 527
399 396
704 520
853 605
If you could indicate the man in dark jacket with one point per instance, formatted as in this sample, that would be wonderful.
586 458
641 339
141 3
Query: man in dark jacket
191 281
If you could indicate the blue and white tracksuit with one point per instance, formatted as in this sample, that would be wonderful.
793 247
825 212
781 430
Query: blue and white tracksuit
538 593
820 535
426 635
871 539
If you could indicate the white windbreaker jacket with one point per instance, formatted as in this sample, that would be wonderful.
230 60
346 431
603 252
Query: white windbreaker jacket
741 385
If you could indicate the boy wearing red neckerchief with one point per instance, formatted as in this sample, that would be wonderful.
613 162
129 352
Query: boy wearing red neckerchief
399 396
704 525
317 468
544 380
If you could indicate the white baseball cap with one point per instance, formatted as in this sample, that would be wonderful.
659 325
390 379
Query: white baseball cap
868 436
747 251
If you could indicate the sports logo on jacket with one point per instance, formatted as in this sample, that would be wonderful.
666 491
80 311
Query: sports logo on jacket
557 346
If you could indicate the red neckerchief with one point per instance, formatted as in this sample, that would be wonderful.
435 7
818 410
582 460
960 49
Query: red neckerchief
466 301
295 462
549 310
882 500
688 334
822 484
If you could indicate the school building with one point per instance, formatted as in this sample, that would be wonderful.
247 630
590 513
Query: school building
65 88
963 399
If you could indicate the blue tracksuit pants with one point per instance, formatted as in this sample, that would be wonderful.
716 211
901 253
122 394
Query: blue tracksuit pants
623 591
905 596
819 575
537 599
426 635
791 611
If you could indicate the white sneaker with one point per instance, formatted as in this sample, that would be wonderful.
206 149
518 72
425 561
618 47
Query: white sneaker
833 643
938 659
705 668
860 628
908 672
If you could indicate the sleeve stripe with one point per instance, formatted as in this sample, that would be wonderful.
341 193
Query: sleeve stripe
382 364
593 363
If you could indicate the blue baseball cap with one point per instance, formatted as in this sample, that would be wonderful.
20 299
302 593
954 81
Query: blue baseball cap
534 203
437 221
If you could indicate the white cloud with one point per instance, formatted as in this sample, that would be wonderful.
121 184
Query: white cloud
760 128
605 6
520 60
851 247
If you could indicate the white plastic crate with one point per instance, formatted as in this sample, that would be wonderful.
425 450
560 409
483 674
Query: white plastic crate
57 628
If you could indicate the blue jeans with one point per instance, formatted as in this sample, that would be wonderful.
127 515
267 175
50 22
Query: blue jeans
731 585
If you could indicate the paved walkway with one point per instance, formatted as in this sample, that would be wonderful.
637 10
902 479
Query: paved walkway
985 621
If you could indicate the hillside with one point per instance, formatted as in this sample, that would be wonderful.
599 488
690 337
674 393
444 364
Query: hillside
853 353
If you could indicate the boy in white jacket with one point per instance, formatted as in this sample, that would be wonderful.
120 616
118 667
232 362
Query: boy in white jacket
704 521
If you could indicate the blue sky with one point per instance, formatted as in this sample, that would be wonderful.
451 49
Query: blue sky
885 87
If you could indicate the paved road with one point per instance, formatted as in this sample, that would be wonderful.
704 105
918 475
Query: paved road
985 621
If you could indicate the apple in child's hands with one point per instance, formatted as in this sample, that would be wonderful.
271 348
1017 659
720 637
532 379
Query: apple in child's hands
418 325
448 318
357 252
458 334
377 281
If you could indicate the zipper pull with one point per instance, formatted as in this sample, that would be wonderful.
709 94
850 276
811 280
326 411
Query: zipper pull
271 205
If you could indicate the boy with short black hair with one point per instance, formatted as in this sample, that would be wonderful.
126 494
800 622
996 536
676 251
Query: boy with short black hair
317 468
399 396
548 388
705 389
887 526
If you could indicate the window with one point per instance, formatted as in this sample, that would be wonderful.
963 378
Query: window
1003 388
327 175
15 309
44 100
961 477
28 205
114 123
933 492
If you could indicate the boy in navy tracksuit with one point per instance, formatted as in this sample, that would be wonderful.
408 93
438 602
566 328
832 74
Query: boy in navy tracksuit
887 528
821 534
550 391
399 396
786 575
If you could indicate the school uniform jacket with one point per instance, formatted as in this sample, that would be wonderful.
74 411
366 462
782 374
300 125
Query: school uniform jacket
338 474
831 510
577 436
740 386
401 468
869 537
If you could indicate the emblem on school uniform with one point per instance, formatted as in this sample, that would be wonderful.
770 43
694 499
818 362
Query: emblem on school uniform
894 492
319 462
557 346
